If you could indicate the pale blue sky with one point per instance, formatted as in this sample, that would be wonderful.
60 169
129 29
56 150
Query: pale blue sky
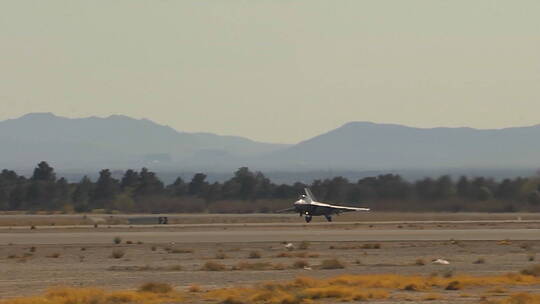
278 71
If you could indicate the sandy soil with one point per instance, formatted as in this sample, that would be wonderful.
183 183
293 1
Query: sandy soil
29 269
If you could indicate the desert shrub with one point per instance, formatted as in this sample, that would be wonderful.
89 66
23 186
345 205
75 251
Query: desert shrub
498 290
153 248
532 271
221 256
194 288
300 264
213 266
531 257
304 245
254 266
117 253
453 285
155 287
371 246
411 287
480 261
183 250
33 249
525 246
420 262
129 242
254 255
54 255
117 240
332 264
173 268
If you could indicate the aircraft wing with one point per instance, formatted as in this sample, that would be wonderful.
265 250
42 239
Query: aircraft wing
338 208
293 209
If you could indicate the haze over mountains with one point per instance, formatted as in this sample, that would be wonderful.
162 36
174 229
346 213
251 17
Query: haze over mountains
120 142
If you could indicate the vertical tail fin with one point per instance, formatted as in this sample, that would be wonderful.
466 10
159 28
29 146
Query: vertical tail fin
309 196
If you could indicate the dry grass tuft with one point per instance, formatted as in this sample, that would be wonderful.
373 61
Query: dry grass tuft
526 246
300 264
155 287
432 297
302 255
420 262
67 295
363 246
117 253
213 266
179 250
344 288
254 255
257 266
221 256
332 264
504 242
117 240
498 290
54 255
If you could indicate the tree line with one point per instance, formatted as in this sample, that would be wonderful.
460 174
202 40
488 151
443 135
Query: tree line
247 191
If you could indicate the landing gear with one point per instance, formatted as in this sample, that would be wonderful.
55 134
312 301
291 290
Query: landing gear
308 218
328 217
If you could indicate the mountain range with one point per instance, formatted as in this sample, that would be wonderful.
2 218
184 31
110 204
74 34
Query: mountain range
121 142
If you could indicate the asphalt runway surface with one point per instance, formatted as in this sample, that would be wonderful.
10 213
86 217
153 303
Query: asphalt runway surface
292 234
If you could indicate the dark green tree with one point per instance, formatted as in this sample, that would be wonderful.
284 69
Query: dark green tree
198 184
148 184
178 188
44 172
81 195
105 189
130 179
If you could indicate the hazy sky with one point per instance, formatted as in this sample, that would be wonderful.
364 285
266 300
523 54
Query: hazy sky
278 71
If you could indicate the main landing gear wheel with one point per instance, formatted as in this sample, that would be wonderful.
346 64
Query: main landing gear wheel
308 218
328 218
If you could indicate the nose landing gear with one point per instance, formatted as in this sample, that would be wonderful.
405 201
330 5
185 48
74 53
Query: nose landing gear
308 218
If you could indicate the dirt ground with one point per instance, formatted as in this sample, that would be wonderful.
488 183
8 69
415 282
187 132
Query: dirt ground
30 269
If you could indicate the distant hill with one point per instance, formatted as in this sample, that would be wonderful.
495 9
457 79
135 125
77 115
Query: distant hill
355 149
370 146
117 142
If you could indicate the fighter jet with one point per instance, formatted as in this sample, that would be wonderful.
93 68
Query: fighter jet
308 206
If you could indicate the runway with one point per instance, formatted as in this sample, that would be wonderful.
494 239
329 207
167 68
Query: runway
265 235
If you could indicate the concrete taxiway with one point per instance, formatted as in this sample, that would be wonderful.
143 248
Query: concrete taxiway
264 235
